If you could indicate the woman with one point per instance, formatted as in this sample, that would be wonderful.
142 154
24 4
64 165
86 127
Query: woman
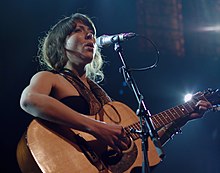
66 93
70 48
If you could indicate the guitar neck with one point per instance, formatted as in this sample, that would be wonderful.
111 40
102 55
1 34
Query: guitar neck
168 116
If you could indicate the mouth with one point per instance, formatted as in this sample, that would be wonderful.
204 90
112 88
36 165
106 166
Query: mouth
89 45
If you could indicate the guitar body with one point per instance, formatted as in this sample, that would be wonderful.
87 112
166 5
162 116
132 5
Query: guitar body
50 148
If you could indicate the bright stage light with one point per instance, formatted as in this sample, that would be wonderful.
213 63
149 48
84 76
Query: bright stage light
187 97
211 28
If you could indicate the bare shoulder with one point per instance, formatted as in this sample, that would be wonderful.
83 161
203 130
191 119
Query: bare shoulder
43 80
44 76
52 83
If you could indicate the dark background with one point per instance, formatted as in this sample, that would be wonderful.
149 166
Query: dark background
23 22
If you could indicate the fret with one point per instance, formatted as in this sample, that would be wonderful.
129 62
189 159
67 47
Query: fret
158 117
167 117
192 104
183 109
171 116
179 111
188 107
155 121
162 116
128 128
137 126
206 99
134 136
174 113
156 124
127 131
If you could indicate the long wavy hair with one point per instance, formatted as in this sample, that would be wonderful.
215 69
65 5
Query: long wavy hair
51 54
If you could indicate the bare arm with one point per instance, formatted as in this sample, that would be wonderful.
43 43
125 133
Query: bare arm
36 100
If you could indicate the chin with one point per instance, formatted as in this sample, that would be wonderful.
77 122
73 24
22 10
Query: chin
88 56
89 59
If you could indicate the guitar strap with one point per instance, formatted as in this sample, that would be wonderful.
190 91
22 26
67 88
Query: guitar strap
95 96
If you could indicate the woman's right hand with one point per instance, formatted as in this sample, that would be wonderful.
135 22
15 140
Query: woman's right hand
112 135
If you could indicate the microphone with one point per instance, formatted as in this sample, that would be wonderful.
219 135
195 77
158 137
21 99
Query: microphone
106 40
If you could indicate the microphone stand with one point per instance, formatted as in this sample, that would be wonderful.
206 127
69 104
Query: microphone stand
146 125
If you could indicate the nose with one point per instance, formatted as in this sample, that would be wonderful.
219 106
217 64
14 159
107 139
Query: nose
89 35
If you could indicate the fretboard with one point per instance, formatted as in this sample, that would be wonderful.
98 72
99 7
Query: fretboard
163 118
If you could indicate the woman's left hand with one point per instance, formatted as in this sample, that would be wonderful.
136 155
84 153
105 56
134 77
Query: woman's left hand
201 107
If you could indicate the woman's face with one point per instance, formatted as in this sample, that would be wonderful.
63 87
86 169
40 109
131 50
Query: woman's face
80 45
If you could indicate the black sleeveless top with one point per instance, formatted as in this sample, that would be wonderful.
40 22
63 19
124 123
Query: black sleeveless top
77 103
90 101
93 99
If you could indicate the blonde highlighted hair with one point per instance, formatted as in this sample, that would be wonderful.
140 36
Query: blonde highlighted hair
52 55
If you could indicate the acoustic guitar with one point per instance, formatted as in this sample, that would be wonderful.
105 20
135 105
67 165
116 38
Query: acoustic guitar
50 148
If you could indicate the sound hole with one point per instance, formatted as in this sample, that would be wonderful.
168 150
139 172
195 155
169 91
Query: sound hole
111 157
120 162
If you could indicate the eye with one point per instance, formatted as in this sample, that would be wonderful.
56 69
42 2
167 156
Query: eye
92 32
78 30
